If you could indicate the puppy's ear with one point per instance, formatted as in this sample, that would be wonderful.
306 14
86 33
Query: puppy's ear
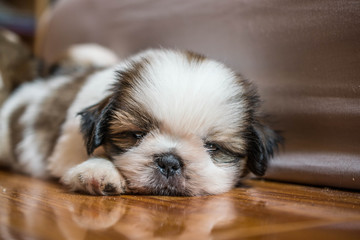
262 142
94 124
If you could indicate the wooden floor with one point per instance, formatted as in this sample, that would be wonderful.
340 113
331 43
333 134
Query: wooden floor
35 209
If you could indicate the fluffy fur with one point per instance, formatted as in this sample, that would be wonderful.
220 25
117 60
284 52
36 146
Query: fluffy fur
162 122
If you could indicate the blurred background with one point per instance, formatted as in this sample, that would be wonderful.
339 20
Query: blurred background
20 16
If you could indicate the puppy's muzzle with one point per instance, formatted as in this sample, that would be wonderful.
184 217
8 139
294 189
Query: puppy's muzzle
168 164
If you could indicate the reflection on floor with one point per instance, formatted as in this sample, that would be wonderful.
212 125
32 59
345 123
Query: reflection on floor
35 209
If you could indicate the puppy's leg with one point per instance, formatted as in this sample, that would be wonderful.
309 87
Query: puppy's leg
96 176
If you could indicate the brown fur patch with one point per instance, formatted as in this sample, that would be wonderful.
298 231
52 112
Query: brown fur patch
53 114
124 140
128 78
194 57
124 127
230 141
123 121
128 116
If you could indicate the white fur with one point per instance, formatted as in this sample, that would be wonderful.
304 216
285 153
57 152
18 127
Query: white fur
190 98
92 176
28 93
92 54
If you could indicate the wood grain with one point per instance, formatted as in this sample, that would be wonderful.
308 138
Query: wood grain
36 209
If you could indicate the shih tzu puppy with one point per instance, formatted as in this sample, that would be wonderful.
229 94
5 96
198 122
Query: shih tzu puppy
162 122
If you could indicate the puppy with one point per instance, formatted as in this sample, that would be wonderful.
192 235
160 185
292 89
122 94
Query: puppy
162 122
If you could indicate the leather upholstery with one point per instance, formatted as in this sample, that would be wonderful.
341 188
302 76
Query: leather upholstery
304 55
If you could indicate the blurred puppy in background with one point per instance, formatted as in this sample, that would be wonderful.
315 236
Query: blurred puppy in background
16 63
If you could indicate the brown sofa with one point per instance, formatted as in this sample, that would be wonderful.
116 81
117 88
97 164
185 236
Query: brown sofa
304 55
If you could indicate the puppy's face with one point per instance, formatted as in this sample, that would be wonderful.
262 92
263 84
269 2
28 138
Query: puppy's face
179 124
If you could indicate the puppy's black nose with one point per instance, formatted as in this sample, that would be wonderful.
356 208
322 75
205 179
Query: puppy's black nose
168 164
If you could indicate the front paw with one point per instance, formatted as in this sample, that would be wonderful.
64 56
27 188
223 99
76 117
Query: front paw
95 176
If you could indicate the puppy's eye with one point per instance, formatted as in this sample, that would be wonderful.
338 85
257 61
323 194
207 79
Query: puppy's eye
211 147
138 135
134 135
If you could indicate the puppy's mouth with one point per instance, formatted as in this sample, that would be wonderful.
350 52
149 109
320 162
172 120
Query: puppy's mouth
162 185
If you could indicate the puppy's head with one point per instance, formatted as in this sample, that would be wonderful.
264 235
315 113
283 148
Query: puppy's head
178 123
